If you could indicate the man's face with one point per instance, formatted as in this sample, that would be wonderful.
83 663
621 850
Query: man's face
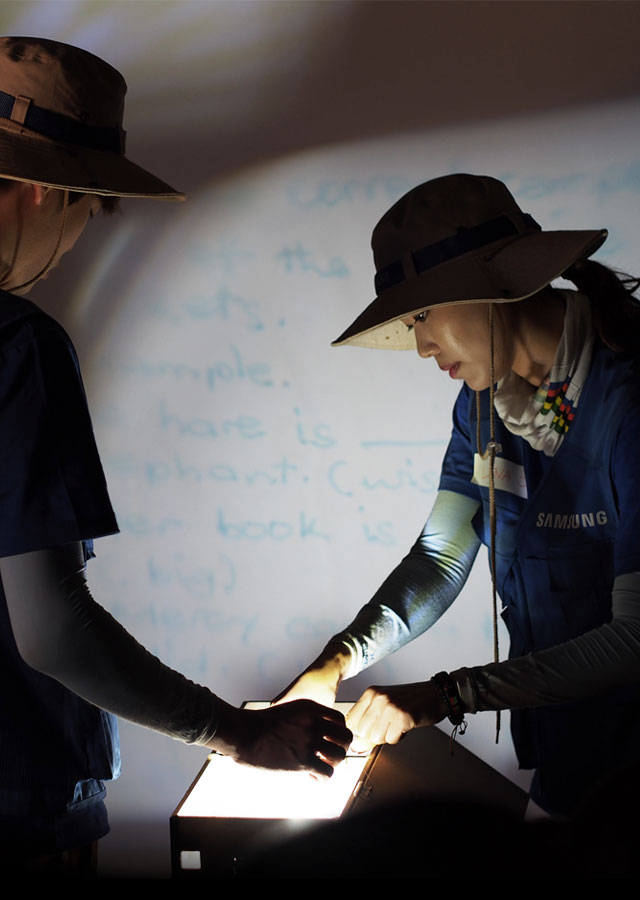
39 221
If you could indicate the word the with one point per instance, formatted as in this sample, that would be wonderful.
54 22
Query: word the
298 259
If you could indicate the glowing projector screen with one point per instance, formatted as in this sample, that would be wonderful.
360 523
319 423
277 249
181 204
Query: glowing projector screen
227 789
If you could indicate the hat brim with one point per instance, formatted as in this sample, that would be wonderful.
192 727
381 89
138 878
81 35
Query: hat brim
504 272
67 167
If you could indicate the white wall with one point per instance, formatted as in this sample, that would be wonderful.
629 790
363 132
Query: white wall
266 483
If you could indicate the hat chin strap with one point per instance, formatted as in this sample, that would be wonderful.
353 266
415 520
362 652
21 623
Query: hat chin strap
28 284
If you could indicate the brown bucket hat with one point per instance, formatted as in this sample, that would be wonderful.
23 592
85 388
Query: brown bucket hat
458 239
61 114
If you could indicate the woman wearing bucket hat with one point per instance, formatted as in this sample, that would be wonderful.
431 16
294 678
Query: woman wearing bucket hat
63 659
542 470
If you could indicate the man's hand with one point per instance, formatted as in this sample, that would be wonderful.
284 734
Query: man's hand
298 736
383 714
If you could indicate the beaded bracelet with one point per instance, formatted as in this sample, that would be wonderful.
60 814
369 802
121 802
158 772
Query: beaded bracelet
452 699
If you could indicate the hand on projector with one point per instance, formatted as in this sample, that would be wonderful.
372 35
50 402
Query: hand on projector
383 714
298 736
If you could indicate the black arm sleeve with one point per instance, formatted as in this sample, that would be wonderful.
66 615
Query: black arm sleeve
604 658
61 631
420 589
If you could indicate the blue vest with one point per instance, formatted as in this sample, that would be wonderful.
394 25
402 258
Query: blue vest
555 565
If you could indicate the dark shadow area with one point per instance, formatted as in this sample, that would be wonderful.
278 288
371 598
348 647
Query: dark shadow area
401 66
137 855
428 838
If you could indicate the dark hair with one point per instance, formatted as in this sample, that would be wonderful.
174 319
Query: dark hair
615 309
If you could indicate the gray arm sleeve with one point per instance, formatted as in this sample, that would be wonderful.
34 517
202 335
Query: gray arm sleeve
605 658
420 589
61 631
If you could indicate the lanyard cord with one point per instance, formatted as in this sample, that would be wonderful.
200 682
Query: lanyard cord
490 451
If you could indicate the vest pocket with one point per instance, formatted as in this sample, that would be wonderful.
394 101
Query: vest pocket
568 592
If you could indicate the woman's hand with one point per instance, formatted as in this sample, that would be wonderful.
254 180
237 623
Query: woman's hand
298 736
317 685
320 681
383 714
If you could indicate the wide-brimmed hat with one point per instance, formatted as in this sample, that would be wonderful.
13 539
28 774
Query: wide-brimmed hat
61 114
458 239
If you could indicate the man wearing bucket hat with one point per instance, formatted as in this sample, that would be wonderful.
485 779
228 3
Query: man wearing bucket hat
63 659
542 470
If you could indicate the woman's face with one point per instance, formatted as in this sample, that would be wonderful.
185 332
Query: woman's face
457 337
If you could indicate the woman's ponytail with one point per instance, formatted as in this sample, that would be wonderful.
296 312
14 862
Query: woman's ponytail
615 309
